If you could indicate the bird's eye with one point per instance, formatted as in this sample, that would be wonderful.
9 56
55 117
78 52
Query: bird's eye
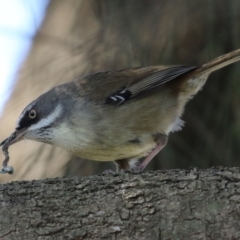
32 114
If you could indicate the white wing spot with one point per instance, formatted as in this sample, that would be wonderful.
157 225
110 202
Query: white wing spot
123 91
113 98
121 98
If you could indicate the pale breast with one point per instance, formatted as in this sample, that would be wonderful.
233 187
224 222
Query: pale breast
103 146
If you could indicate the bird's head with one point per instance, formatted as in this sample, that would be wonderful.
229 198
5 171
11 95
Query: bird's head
38 119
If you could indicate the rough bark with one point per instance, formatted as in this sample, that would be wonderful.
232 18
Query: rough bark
174 204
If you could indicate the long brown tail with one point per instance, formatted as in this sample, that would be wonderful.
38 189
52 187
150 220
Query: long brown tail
219 62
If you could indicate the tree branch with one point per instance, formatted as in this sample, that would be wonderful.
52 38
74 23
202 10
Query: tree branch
173 204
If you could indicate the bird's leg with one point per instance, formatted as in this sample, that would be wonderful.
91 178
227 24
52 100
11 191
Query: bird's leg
161 143
122 165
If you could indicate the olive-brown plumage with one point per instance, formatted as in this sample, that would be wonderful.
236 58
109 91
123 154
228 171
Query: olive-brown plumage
118 116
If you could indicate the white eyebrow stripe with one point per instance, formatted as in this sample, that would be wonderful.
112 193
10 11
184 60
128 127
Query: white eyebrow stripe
48 120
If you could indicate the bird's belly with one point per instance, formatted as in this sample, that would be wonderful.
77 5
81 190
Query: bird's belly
112 153
104 146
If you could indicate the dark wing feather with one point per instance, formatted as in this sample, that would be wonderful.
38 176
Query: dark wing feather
154 80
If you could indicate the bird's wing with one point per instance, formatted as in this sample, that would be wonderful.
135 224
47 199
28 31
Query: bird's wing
118 87
153 80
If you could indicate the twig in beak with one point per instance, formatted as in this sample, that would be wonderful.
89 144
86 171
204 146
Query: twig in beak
4 144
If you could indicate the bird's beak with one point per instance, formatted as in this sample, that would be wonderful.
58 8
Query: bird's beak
14 138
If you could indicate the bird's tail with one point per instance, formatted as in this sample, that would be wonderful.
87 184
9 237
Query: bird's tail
219 62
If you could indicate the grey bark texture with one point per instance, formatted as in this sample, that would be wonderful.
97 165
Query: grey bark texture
173 204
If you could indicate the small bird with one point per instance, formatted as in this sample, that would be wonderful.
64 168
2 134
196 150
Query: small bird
118 116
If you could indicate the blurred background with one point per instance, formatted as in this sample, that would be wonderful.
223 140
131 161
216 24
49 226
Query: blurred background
73 38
